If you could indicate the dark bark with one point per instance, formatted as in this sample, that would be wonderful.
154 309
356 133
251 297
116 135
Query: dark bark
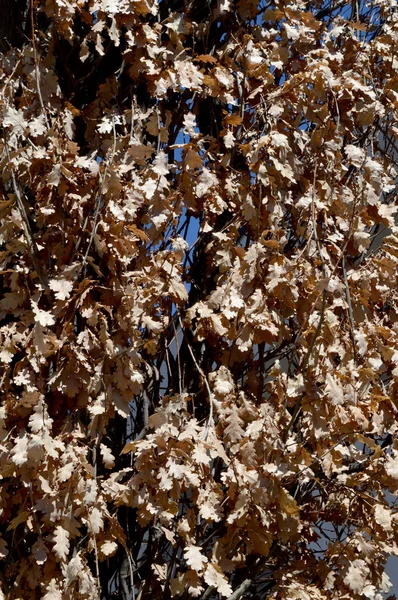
13 23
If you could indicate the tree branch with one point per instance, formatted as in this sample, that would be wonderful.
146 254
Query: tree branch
242 589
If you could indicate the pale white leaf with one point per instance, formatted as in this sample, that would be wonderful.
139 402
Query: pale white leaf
223 383
149 188
334 390
207 180
20 451
387 212
189 75
53 592
54 177
61 539
107 123
108 548
15 119
291 32
91 491
65 472
356 576
383 516
73 569
160 164
355 155
41 316
107 456
189 123
38 126
229 140
61 287
279 140
194 557
214 577
40 419
178 291
151 324
98 406
6 356
96 520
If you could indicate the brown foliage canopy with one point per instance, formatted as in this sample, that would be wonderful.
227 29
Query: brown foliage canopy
198 328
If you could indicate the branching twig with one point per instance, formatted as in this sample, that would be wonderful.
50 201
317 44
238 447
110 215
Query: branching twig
325 12
303 366
323 306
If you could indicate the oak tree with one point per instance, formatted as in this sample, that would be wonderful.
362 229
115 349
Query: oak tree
198 318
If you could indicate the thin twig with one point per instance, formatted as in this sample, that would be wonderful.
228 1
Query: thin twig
350 312
132 120
95 547
159 143
35 511
145 409
178 358
314 222
95 455
348 238
28 232
323 306
3 378
240 87
10 78
201 373
98 206
131 575
37 71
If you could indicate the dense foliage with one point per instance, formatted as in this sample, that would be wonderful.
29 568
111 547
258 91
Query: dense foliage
198 322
